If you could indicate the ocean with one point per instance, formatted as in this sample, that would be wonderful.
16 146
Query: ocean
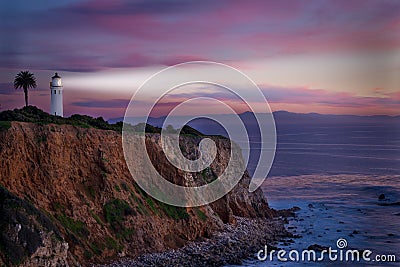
335 172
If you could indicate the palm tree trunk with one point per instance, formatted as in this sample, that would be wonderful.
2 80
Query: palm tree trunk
26 96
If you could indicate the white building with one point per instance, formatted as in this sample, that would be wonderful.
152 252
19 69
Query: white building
56 92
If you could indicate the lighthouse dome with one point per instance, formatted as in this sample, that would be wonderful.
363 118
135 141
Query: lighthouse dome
56 80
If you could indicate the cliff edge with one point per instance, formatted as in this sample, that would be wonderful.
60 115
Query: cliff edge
76 183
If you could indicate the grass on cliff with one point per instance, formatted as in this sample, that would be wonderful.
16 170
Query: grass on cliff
35 115
176 213
77 227
116 210
201 214
5 125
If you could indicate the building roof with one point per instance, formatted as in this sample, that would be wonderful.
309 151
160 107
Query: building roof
56 76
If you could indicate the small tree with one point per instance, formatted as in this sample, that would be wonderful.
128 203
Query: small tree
25 80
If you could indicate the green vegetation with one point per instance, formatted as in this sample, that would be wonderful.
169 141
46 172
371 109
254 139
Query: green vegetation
142 209
125 187
58 206
115 211
176 213
139 189
117 188
201 214
187 130
35 115
152 205
5 125
91 191
25 80
97 248
87 254
126 233
77 227
111 243
208 175
41 139
97 219
143 126
140 206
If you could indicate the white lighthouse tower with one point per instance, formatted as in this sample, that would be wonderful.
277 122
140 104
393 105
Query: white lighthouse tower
56 92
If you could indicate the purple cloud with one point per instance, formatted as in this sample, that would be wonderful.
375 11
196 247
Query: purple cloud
95 103
93 35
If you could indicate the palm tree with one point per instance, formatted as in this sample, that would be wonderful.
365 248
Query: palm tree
25 80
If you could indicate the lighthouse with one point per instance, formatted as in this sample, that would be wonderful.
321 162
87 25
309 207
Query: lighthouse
56 92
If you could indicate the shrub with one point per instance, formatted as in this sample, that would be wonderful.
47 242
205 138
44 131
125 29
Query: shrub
77 227
117 188
201 214
115 210
176 213
5 125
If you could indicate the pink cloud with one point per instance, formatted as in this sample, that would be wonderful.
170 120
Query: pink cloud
92 35
324 101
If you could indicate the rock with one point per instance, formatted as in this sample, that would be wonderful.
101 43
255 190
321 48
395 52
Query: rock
382 197
27 236
227 247
286 213
79 177
295 209
311 206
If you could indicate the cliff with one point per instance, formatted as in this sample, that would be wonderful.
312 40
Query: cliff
87 208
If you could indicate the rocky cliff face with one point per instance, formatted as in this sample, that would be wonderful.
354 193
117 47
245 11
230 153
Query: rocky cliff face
77 179
27 236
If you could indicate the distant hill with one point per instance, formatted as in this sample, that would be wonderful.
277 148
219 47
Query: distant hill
282 118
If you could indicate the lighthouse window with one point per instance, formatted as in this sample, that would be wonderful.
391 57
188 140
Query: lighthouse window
59 92
55 92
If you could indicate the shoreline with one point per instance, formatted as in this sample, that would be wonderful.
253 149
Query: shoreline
230 246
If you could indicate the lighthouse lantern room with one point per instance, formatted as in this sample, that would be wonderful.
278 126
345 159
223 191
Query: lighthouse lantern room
56 93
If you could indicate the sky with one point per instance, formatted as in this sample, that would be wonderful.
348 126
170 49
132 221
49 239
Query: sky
330 57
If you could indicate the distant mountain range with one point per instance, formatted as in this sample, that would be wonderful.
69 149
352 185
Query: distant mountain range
281 118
